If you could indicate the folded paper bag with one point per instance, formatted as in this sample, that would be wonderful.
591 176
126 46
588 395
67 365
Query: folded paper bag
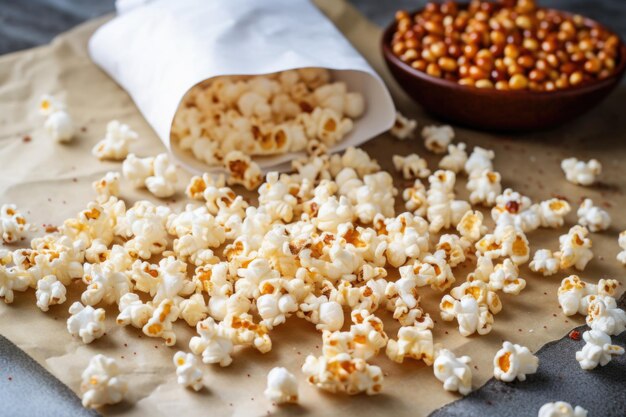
159 50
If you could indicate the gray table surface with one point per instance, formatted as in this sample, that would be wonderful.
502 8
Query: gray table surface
27 389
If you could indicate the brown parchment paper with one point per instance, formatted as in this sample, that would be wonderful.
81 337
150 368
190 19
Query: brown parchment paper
50 182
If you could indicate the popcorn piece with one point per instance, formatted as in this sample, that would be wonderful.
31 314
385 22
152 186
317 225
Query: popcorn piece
193 309
242 170
10 281
137 170
416 201
102 382
575 248
604 315
581 172
575 295
198 185
49 104
561 409
59 126
403 128
282 386
455 373
505 277
412 166
514 361
515 209
49 292
480 160
471 226
163 180
484 187
598 350
107 187
213 342
455 159
160 324
133 311
375 196
553 211
415 342
13 226
104 284
86 322
593 217
343 374
545 262
188 370
473 316
437 138
116 142
621 256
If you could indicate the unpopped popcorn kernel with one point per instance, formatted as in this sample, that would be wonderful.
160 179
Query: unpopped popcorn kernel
561 409
597 350
102 383
242 170
581 172
455 159
455 373
49 292
593 217
545 262
437 138
514 361
116 142
621 256
188 370
403 128
86 322
282 386
604 315
160 324
411 166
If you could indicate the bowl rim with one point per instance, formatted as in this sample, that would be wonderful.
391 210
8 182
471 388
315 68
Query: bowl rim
595 85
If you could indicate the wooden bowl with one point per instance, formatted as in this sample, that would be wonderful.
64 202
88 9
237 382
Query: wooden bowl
491 109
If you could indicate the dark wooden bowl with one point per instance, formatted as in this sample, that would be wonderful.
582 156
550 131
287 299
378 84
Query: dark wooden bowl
491 109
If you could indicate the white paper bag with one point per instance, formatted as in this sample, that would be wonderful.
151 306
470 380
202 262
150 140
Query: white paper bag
159 50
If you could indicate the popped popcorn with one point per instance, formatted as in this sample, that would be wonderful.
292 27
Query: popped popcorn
59 126
242 170
479 160
188 371
13 226
597 350
116 142
102 382
49 292
604 315
455 159
160 324
107 187
575 248
415 342
163 179
575 295
484 187
193 309
471 226
505 277
415 198
10 281
437 138
137 170
553 212
133 311
104 284
455 373
545 262
86 322
581 172
621 256
49 104
561 409
403 127
411 166
593 217
514 361
282 386
214 342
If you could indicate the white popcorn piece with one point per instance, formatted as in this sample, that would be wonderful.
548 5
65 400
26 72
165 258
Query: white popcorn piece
359 160
443 211
214 342
102 382
325 314
193 309
160 324
411 166
59 126
455 159
415 342
48 104
561 409
484 187
375 196
581 172
575 295
513 208
545 262
137 170
282 386
116 142
415 198
514 361
598 350
403 128
505 277
242 170
188 370
49 292
107 187
104 284
13 225
342 373
553 212
480 160
455 373
593 217
621 256
163 180
471 226
133 311
575 248
471 312
604 315
12 280
86 322
437 138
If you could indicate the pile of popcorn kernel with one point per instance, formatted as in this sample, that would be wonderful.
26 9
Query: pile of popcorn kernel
323 245
264 114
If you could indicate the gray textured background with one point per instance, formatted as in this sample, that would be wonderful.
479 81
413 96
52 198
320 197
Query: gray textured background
26 389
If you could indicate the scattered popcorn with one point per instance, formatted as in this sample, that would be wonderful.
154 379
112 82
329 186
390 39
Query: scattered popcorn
545 262
137 170
282 386
49 104
242 170
437 138
59 126
10 281
403 128
553 212
471 226
49 292
116 142
160 324
213 342
604 315
575 295
133 311
484 187
514 361
581 172
163 180
415 342
593 217
561 409
455 159
102 383
411 166
416 202
188 370
575 248
621 256
455 373
505 277
107 187
13 226
598 350
480 160
86 322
